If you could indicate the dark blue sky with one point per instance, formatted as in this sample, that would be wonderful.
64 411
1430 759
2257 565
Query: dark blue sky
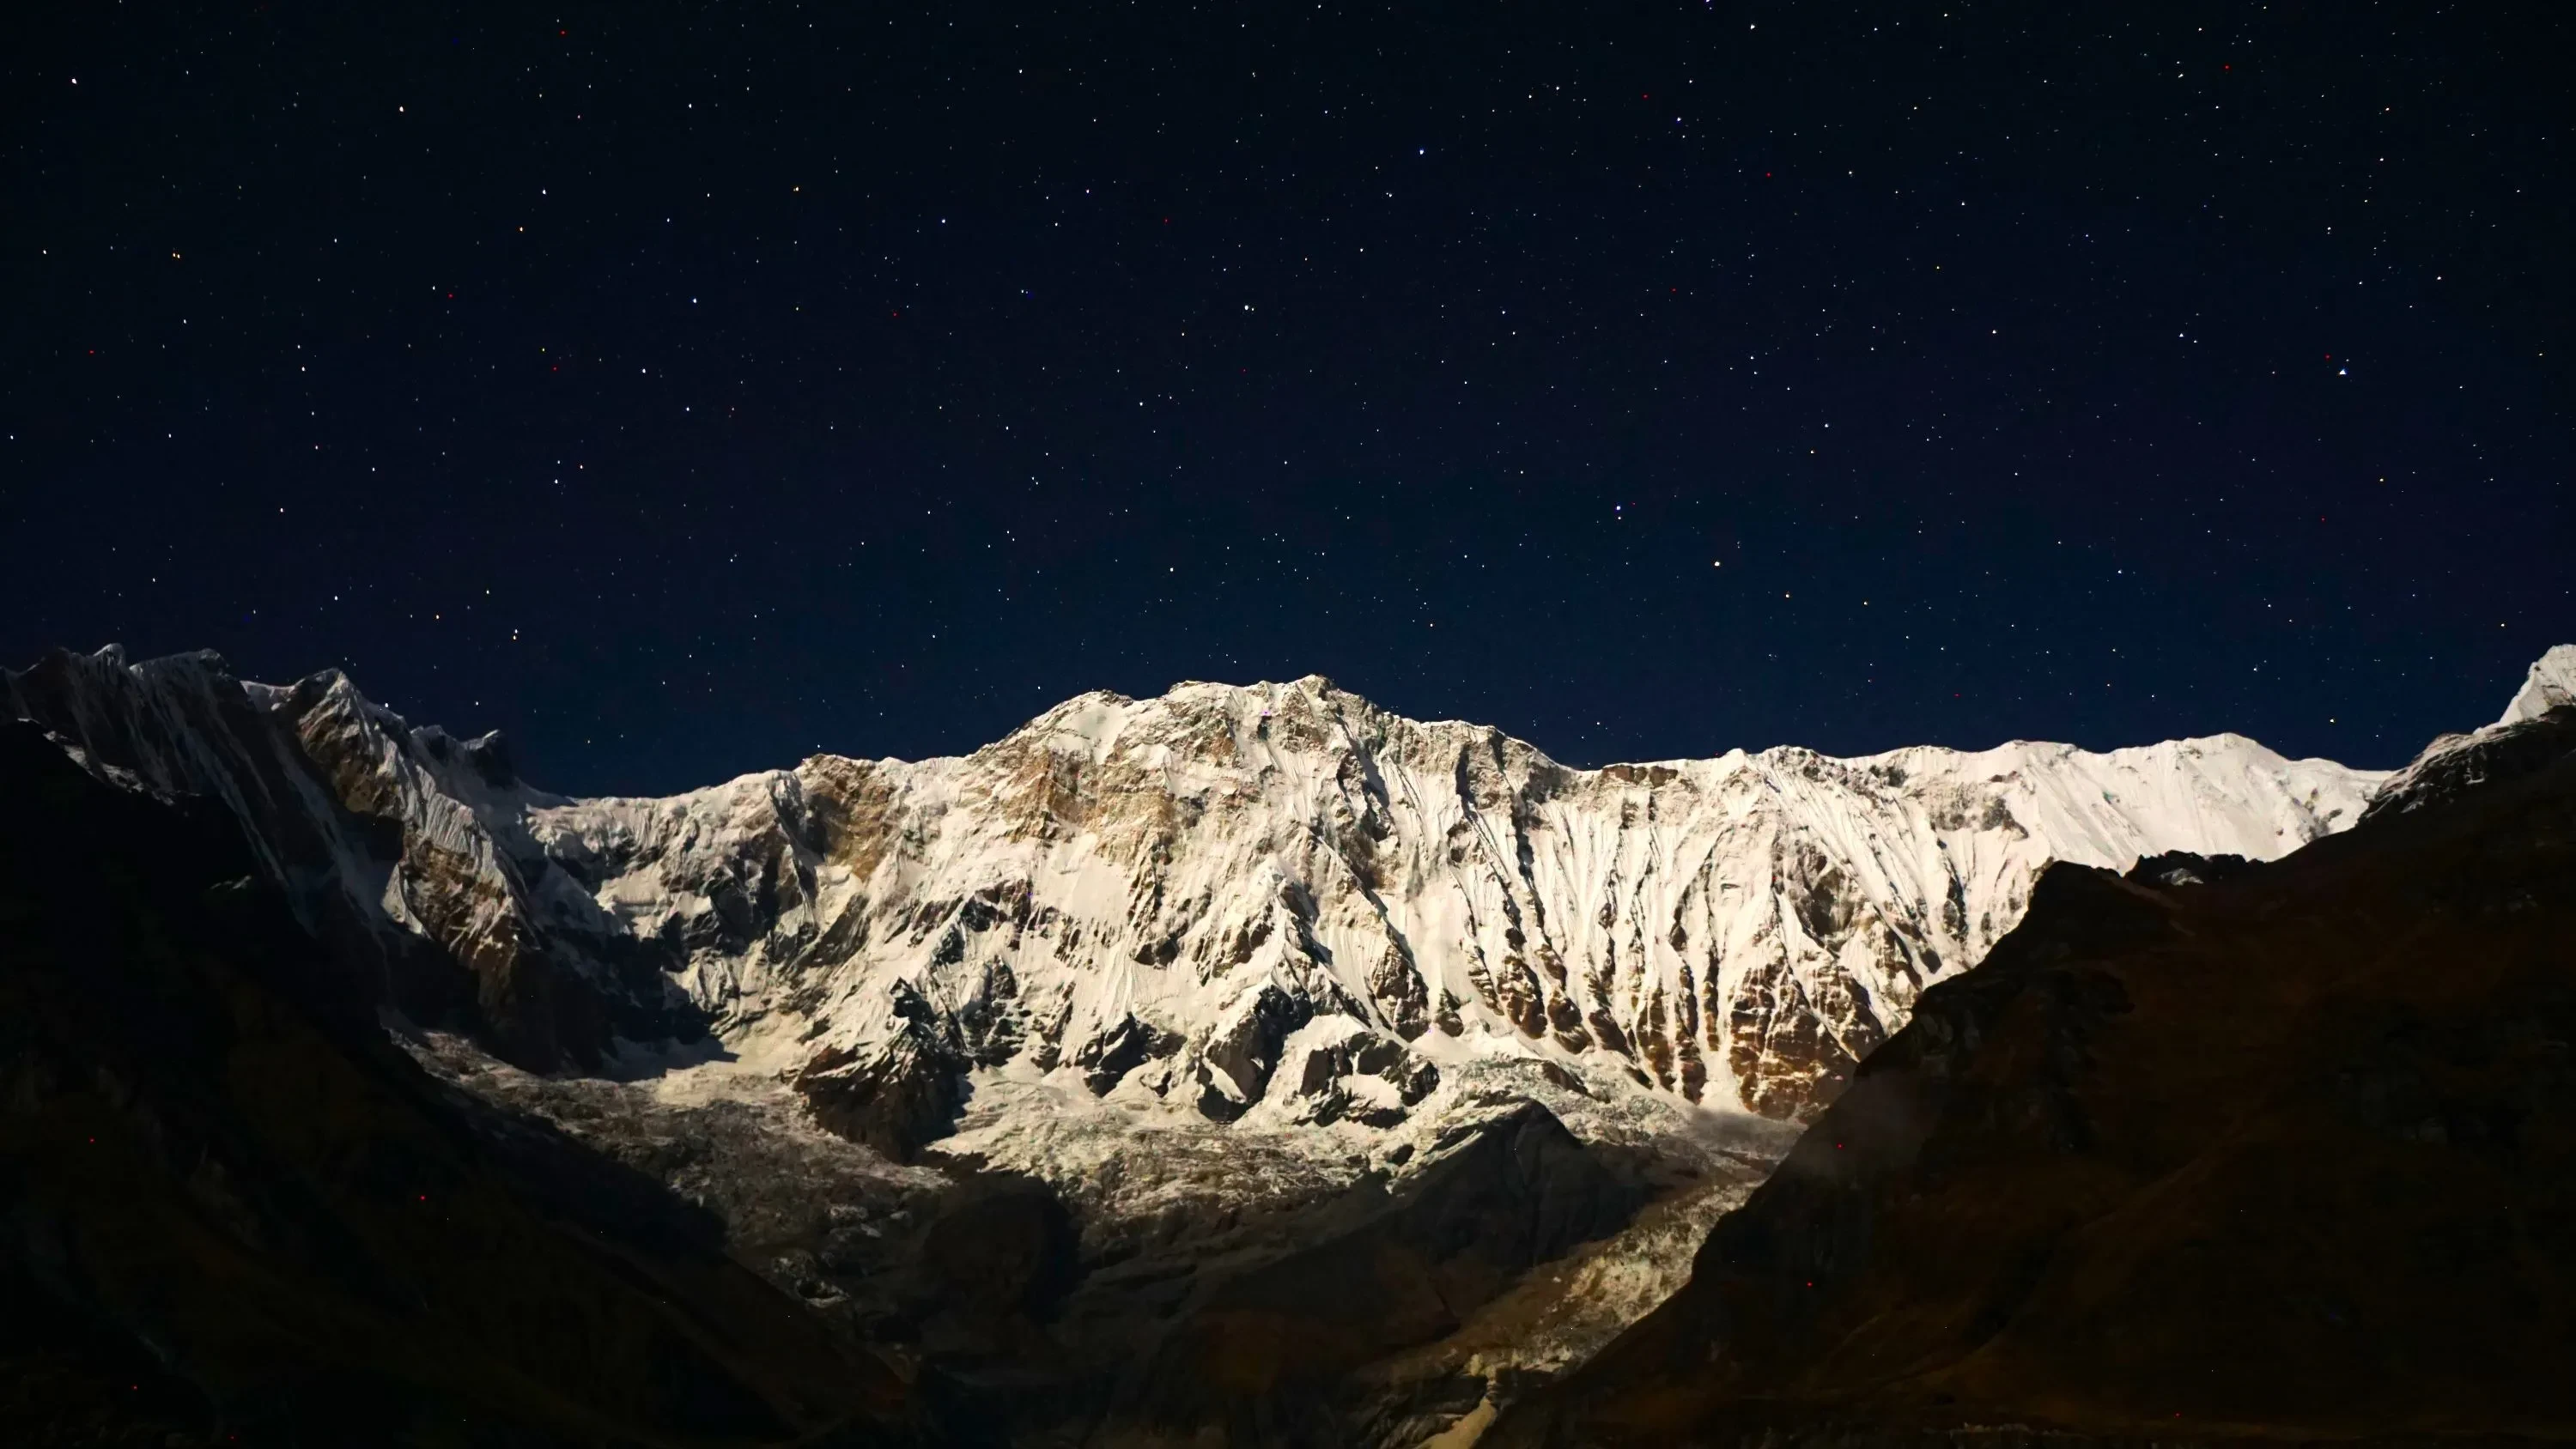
685 387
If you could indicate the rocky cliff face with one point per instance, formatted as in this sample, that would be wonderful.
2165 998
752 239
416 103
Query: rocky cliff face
232 1213
1276 897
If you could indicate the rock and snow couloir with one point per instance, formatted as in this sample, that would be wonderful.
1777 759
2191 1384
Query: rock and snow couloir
1274 899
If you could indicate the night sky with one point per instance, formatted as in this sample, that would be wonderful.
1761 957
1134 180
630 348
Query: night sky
683 388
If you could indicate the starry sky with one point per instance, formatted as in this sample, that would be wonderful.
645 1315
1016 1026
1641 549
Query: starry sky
682 388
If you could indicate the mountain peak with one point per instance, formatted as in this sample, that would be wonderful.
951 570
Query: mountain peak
2550 684
2519 742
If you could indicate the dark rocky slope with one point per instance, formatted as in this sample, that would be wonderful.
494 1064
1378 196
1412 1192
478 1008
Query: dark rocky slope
232 1212
2289 1154
1292 1352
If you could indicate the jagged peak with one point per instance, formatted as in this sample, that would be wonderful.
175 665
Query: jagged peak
193 661
487 754
1313 686
335 688
2533 732
1099 719
1102 719
2550 683
201 668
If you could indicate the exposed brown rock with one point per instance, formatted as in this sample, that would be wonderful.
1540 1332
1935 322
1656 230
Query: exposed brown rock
1397 989
897 1097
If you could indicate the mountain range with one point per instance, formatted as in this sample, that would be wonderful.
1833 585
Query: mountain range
1177 897
1072 1076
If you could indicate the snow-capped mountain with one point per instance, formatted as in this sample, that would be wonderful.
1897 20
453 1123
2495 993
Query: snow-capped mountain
1190 1007
2550 685
1274 899
2514 745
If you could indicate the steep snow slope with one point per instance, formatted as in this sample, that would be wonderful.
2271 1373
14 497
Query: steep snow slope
2551 683
1276 896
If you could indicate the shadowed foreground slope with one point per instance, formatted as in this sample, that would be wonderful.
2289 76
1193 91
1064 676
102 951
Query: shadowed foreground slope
231 1212
2290 1154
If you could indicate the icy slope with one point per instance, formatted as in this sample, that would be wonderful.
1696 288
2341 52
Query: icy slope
1275 896
2551 684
